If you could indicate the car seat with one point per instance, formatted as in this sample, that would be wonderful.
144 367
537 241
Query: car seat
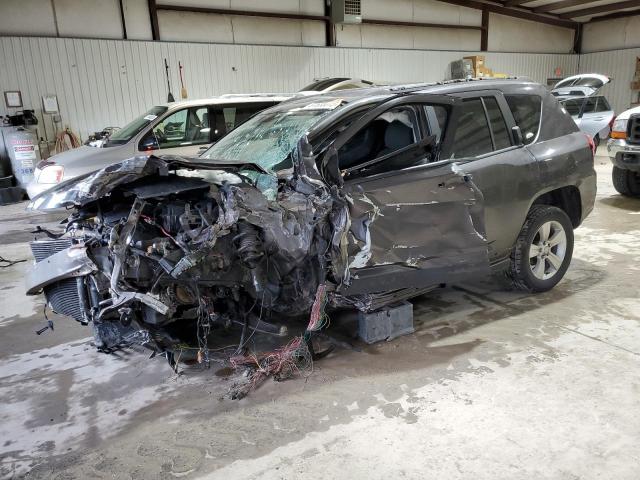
397 136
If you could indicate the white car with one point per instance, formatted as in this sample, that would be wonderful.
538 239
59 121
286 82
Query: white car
579 96
177 128
624 151
584 84
593 115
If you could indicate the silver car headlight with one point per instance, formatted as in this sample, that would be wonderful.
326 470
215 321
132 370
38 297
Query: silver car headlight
51 174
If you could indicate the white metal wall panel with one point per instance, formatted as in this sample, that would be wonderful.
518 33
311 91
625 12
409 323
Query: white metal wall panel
103 83
620 65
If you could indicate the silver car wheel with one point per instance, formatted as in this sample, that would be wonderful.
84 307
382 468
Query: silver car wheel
547 250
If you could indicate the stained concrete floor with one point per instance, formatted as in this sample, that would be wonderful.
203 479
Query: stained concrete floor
492 385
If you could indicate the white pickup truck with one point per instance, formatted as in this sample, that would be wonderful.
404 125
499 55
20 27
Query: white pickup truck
624 150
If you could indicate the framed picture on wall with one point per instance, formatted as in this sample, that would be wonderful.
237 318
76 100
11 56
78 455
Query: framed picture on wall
50 104
13 98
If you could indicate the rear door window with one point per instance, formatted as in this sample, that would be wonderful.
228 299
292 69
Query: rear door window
472 136
526 111
501 137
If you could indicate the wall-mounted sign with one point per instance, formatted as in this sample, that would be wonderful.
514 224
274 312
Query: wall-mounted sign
13 99
50 104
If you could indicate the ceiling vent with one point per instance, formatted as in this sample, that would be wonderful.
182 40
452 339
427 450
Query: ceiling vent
346 11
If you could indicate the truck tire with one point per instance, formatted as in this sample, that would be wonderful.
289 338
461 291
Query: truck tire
626 182
542 253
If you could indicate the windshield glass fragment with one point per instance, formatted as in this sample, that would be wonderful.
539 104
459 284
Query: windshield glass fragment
268 139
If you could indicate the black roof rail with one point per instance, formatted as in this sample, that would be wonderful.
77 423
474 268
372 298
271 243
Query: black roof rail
412 87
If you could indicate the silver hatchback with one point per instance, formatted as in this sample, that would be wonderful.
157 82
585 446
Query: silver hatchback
593 115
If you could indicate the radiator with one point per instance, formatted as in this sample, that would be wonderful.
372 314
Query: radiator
63 296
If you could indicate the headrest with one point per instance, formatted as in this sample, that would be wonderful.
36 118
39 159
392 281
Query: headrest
398 135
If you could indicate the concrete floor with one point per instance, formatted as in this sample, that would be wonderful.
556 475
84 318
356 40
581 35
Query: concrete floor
492 385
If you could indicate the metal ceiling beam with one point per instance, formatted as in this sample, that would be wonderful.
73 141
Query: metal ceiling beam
513 3
153 20
615 15
611 7
484 35
244 13
398 23
557 5
511 12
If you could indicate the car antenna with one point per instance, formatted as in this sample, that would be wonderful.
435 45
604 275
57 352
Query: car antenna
170 95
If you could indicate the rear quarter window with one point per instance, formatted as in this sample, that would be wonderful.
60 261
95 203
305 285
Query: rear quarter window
526 111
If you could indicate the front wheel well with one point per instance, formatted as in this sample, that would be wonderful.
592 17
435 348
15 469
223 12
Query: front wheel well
565 198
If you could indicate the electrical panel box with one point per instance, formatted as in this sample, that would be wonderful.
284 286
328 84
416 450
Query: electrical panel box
346 11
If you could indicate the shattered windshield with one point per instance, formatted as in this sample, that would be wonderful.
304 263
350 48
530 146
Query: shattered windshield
267 139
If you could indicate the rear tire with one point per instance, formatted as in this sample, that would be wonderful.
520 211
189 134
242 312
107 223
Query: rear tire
543 250
596 140
626 182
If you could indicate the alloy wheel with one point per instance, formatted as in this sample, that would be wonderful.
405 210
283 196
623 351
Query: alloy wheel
547 250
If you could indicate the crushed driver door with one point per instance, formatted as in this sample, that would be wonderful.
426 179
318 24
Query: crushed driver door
414 226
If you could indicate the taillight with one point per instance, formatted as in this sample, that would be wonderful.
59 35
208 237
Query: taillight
592 144
613 119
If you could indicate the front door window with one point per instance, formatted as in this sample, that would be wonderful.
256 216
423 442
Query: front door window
189 126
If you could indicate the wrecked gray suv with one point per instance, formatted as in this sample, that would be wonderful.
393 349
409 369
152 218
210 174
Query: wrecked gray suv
358 198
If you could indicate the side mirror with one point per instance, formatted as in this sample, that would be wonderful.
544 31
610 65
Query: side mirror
517 135
149 143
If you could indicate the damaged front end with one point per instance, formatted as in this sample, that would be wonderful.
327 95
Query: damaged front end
165 251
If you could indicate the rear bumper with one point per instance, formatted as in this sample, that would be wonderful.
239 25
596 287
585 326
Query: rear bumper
624 155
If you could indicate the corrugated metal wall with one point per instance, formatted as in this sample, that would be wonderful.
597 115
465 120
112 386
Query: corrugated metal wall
103 83
620 65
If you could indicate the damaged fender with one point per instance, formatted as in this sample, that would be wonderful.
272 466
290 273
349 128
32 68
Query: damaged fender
70 263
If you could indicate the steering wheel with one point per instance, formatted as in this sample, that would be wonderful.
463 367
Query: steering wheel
160 136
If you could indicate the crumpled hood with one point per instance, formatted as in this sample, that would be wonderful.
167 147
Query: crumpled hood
89 187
